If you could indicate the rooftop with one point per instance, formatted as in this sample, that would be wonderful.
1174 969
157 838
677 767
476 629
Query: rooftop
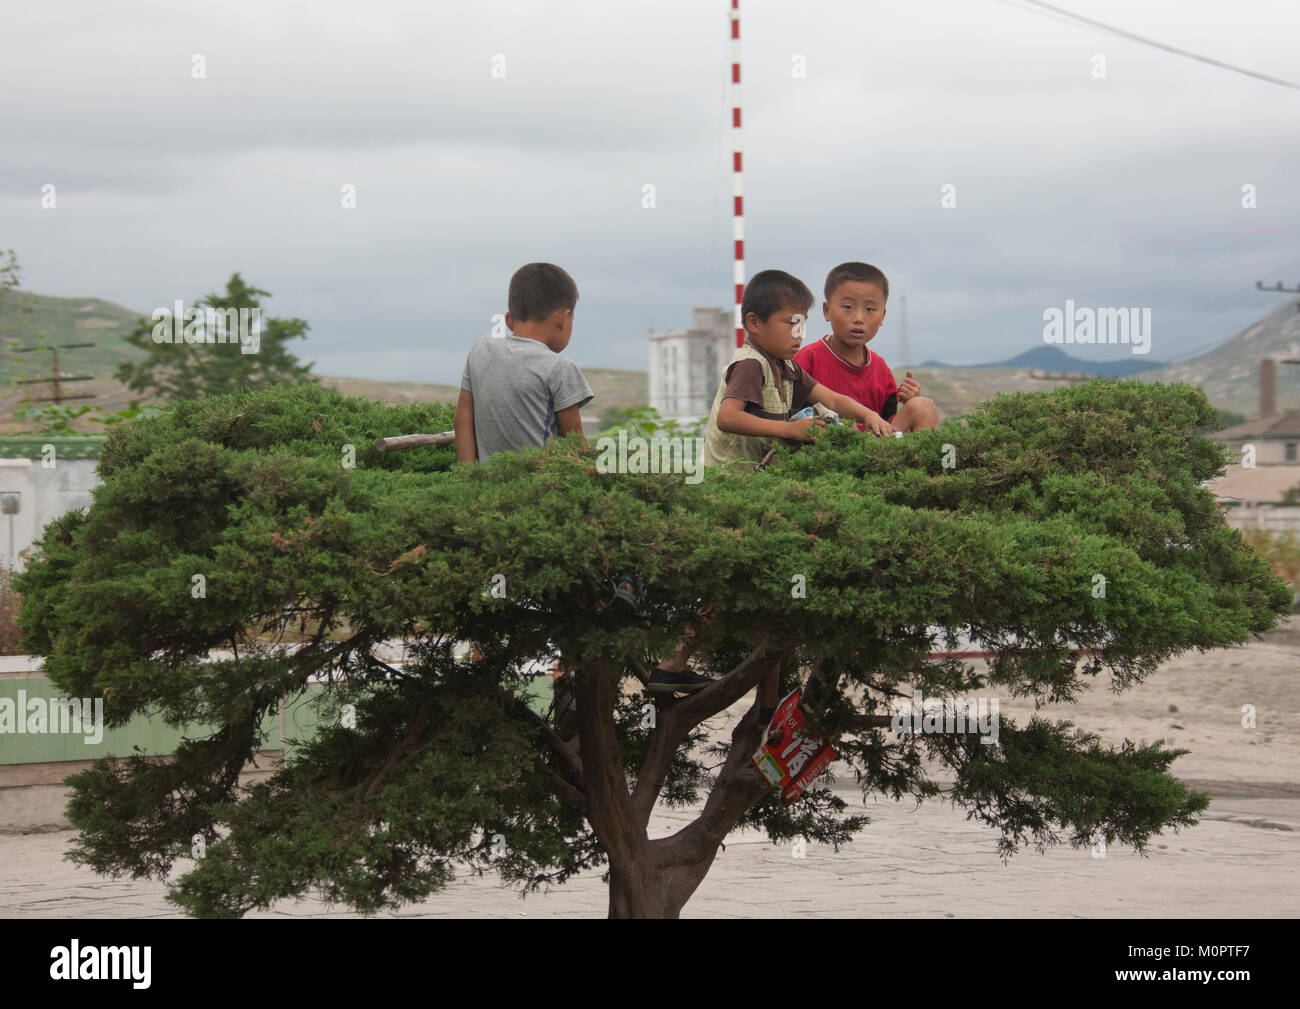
66 446
1286 425
1260 484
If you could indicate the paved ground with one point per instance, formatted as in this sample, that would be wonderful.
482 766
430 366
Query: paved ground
1242 861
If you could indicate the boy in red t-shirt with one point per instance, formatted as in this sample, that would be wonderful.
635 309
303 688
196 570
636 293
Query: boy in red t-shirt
855 307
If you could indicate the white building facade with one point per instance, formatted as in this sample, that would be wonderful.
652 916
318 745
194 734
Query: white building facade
41 477
686 364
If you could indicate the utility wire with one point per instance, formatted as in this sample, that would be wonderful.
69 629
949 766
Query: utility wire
1112 30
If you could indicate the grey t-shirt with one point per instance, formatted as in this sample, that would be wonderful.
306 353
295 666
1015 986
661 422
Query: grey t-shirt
519 385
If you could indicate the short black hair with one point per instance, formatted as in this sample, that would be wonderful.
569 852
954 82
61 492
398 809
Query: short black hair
538 289
862 272
770 290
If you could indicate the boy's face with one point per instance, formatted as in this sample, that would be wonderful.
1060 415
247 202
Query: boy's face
781 333
855 311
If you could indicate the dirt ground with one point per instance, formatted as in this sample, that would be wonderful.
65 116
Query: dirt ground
1240 861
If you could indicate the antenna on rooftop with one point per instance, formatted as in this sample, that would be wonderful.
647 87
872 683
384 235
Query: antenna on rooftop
1279 288
57 378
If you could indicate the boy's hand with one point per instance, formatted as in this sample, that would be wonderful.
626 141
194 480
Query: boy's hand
798 430
877 424
908 388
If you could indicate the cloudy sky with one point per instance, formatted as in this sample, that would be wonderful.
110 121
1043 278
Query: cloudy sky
1122 190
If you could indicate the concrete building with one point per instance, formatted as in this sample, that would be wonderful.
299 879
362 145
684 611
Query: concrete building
686 364
1276 439
1253 498
1266 454
41 477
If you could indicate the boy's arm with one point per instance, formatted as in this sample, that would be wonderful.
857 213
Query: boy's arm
570 421
568 387
733 419
851 408
466 443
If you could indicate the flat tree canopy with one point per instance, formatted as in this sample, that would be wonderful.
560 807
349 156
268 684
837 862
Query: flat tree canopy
995 528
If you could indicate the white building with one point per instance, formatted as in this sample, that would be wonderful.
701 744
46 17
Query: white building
41 477
1276 439
686 364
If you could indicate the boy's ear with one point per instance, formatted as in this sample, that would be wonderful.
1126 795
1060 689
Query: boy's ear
826 310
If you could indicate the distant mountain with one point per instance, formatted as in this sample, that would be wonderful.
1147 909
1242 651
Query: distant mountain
1229 373
611 388
1053 359
28 319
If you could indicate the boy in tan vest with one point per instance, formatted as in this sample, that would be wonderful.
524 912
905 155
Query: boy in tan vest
760 388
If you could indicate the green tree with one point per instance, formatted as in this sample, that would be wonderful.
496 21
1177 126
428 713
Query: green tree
998 529
61 418
646 422
13 327
10 271
201 364
12 316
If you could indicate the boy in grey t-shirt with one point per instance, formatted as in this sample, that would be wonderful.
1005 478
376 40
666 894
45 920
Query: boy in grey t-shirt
518 390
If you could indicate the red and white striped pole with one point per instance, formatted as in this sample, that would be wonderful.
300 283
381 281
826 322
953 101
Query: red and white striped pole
737 186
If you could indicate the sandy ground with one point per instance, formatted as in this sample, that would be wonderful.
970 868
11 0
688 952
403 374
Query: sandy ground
1242 860
1195 702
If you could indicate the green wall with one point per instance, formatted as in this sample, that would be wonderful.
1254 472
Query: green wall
153 736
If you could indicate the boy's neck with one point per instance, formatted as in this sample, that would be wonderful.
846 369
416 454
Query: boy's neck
537 334
858 357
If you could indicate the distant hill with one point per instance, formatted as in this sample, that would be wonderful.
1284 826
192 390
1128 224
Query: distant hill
33 318
1048 358
1230 372
611 388
29 319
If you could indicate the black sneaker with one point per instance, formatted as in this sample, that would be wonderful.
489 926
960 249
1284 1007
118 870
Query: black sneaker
664 682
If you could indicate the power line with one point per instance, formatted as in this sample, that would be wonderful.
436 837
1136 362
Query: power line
1204 333
1112 30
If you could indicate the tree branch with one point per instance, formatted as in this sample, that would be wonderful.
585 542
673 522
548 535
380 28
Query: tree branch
609 808
737 788
677 721
565 790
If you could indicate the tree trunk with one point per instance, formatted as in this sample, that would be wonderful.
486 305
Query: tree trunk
651 879
654 892
640 895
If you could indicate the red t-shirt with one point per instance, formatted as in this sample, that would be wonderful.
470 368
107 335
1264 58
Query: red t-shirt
872 385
